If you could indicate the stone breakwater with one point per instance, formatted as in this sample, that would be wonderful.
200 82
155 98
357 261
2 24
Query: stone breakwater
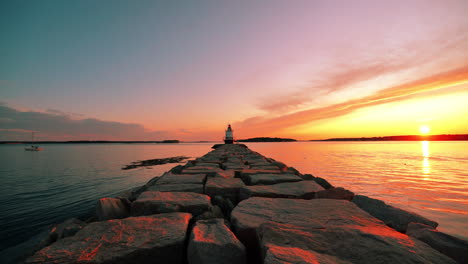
234 205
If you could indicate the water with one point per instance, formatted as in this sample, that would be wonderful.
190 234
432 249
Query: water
38 189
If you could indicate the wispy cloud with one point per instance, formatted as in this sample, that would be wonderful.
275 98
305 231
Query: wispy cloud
347 71
420 88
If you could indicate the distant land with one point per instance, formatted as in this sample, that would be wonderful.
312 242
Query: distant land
88 142
266 139
404 138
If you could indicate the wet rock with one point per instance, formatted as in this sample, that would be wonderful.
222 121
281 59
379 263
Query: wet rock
211 241
195 188
335 193
170 178
226 187
281 190
166 202
111 208
131 240
267 179
336 228
324 183
448 245
394 217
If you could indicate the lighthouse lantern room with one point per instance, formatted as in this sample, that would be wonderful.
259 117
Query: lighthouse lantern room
229 139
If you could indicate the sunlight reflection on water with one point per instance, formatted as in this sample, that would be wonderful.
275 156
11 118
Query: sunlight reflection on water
429 178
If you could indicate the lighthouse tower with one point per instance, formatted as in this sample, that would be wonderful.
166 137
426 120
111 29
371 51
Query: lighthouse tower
229 139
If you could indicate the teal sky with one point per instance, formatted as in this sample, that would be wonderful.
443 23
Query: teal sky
184 69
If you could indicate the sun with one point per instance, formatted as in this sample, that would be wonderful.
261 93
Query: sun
424 129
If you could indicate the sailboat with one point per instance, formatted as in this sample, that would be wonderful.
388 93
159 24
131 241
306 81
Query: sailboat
32 148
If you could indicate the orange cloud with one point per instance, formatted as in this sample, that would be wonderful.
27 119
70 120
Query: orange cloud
439 83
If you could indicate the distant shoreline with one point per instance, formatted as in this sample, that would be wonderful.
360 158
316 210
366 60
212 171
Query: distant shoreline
90 142
455 137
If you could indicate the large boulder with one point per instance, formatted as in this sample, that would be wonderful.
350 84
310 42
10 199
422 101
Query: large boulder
211 241
394 217
226 187
143 239
267 179
170 178
195 188
335 193
449 245
111 208
337 229
281 190
324 183
167 202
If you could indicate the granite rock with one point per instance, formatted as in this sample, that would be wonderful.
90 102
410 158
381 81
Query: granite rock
337 229
166 202
268 179
335 193
394 217
170 178
211 241
226 187
448 245
281 190
111 208
324 183
195 188
131 240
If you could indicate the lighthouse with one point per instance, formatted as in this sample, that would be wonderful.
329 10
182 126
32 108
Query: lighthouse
229 139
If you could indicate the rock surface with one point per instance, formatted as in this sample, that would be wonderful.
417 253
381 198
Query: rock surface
132 240
394 217
167 202
324 183
451 246
226 187
211 241
170 178
336 229
335 193
268 179
110 208
281 190
195 188
287 255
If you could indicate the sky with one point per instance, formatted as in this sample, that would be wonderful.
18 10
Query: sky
154 70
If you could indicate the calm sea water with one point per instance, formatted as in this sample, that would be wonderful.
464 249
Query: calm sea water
38 189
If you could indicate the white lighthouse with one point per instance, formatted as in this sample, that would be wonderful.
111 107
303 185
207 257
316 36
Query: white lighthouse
229 139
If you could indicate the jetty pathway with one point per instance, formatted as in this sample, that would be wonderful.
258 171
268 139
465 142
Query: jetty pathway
234 205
